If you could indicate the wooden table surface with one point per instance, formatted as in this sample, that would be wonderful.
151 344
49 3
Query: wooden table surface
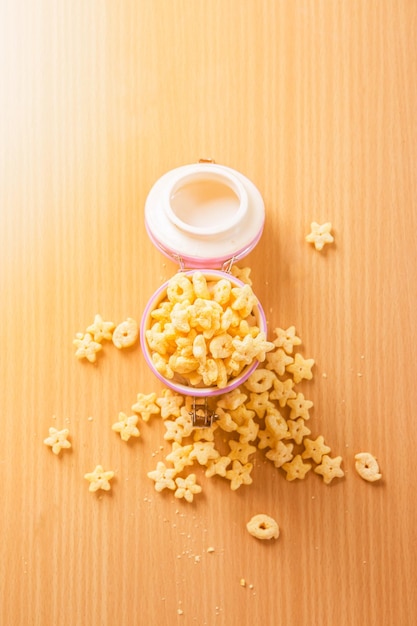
315 102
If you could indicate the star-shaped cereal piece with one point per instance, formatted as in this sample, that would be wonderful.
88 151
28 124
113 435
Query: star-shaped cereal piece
301 368
99 479
163 477
225 421
57 439
242 273
250 348
286 339
100 329
266 439
278 361
126 426
205 434
320 234
296 469
315 449
87 348
298 430
170 404
330 468
248 431
145 405
204 451
260 403
218 466
232 399
239 475
244 300
283 391
187 487
299 407
240 451
180 456
280 454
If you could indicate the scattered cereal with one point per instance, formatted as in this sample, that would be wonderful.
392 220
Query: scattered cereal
330 468
99 479
163 477
100 329
87 348
296 469
367 467
263 526
126 426
145 405
187 487
320 235
57 439
126 333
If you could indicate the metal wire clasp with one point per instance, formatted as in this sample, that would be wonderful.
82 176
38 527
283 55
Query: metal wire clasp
201 415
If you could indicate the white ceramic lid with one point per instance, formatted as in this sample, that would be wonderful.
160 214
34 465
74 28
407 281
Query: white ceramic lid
204 214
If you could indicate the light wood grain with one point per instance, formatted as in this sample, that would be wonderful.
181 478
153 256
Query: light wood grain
315 101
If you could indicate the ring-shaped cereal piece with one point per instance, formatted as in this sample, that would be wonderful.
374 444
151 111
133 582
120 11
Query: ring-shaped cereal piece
263 526
126 333
367 467
180 288
260 380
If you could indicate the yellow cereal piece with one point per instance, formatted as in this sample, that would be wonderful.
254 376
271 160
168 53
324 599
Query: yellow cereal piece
187 487
221 291
260 403
240 451
180 316
239 475
180 428
87 348
315 449
232 399
221 346
283 391
276 424
57 440
244 300
242 273
263 526
367 467
296 469
180 288
248 431
298 430
180 456
260 380
286 339
183 364
99 479
100 329
330 468
163 477
170 404
320 235
278 361
126 333
200 349
209 372
225 421
204 451
162 366
201 289
218 466
267 439
222 377
280 454
301 368
163 313
126 426
157 339
145 405
299 407
205 434
242 415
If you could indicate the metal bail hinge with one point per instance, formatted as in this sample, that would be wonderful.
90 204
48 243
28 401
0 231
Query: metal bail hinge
201 415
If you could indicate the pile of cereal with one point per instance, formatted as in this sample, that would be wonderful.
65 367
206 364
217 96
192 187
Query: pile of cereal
204 333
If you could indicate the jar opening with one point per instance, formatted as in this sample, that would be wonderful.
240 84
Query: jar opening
206 205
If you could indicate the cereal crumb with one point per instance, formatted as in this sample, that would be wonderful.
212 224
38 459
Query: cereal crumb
242 582
210 550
